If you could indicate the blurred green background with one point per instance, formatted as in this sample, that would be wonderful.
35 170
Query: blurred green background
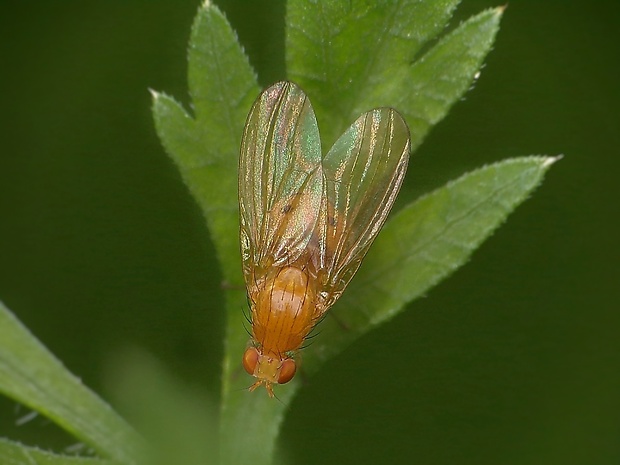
515 359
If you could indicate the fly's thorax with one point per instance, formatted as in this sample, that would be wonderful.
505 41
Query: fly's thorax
283 310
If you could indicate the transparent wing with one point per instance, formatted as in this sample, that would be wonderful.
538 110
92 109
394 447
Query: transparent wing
362 175
280 183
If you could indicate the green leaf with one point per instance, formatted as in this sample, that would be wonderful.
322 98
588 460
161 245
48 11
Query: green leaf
423 244
30 374
251 421
178 420
205 147
350 57
13 453
426 90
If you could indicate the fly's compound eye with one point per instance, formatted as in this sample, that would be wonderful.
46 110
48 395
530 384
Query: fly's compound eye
250 359
287 371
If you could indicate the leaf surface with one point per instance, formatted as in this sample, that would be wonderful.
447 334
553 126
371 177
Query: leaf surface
30 374
14 453
424 243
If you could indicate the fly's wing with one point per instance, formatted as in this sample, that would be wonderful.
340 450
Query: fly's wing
362 175
280 183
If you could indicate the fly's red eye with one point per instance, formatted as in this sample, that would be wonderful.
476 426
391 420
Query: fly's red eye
287 371
250 359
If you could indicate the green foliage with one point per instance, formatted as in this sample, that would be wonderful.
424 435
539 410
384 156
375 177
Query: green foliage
373 59
424 243
184 421
30 374
348 57
12 453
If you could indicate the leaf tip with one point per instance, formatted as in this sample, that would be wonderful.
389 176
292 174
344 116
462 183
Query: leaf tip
548 161
500 9
154 93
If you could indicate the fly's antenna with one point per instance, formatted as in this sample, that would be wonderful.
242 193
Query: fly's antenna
243 389
278 399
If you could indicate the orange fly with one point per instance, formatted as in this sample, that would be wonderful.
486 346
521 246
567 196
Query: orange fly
307 220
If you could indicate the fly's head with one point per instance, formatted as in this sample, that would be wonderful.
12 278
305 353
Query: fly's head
268 368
